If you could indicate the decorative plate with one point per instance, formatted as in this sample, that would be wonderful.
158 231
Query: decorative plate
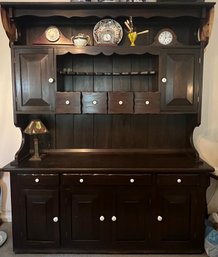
108 31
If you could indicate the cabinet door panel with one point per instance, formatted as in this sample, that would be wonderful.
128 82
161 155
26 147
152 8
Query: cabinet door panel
131 229
177 219
37 225
81 212
34 90
179 80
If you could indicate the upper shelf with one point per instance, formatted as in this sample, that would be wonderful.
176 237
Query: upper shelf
84 9
17 16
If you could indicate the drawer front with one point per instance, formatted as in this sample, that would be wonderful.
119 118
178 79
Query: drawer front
94 102
107 179
38 179
178 179
68 102
147 102
120 102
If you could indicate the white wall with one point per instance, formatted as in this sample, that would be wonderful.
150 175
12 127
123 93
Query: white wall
205 136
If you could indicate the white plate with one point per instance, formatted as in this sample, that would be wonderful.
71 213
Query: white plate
108 26
3 237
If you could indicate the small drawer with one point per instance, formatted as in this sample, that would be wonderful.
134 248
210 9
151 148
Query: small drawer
120 102
147 102
106 179
178 179
38 179
131 179
68 102
94 102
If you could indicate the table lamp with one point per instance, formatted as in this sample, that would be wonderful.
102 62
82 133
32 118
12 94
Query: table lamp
35 128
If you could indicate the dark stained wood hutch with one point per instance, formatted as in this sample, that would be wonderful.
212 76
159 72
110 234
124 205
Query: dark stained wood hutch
115 178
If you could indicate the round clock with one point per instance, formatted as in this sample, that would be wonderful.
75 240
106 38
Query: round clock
52 34
166 37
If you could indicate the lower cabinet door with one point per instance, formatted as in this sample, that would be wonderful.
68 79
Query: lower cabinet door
37 224
83 219
179 220
130 219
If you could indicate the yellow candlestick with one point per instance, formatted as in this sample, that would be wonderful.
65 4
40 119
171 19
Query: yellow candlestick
132 37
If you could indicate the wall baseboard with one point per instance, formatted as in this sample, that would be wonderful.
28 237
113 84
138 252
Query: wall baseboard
6 216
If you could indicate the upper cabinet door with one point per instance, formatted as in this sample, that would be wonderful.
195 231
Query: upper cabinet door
34 80
180 79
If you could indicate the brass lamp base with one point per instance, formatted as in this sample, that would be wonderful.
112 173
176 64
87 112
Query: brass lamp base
35 158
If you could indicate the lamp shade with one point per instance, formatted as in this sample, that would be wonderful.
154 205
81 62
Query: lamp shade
35 127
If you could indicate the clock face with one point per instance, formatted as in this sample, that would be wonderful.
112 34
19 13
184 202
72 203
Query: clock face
52 34
106 37
165 37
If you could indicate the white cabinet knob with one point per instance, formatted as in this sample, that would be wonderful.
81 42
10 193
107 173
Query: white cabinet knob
120 102
147 102
101 218
159 218
37 180
50 80
164 80
94 102
179 180
132 180
113 218
55 219
81 180
67 102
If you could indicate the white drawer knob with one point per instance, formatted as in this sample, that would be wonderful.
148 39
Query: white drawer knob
147 102
132 180
50 80
101 218
67 102
164 80
37 180
159 218
179 180
94 102
120 102
81 180
55 219
113 218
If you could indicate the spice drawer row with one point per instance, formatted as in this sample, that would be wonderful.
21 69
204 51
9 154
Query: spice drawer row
108 102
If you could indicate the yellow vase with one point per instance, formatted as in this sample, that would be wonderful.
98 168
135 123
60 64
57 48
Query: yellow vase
132 37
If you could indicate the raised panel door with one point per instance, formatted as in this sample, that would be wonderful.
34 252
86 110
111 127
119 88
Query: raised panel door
34 80
83 218
179 80
131 218
177 219
39 219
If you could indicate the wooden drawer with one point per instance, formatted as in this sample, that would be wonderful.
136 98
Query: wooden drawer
178 179
147 102
38 179
94 102
68 102
120 102
107 179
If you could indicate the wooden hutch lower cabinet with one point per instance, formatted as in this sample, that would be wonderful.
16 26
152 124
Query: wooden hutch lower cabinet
119 172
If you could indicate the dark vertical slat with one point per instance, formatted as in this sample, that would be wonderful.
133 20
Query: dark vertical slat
139 131
103 64
83 131
121 131
83 63
102 131
121 64
64 131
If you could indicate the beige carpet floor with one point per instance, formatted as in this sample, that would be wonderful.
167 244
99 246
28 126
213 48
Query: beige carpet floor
7 251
